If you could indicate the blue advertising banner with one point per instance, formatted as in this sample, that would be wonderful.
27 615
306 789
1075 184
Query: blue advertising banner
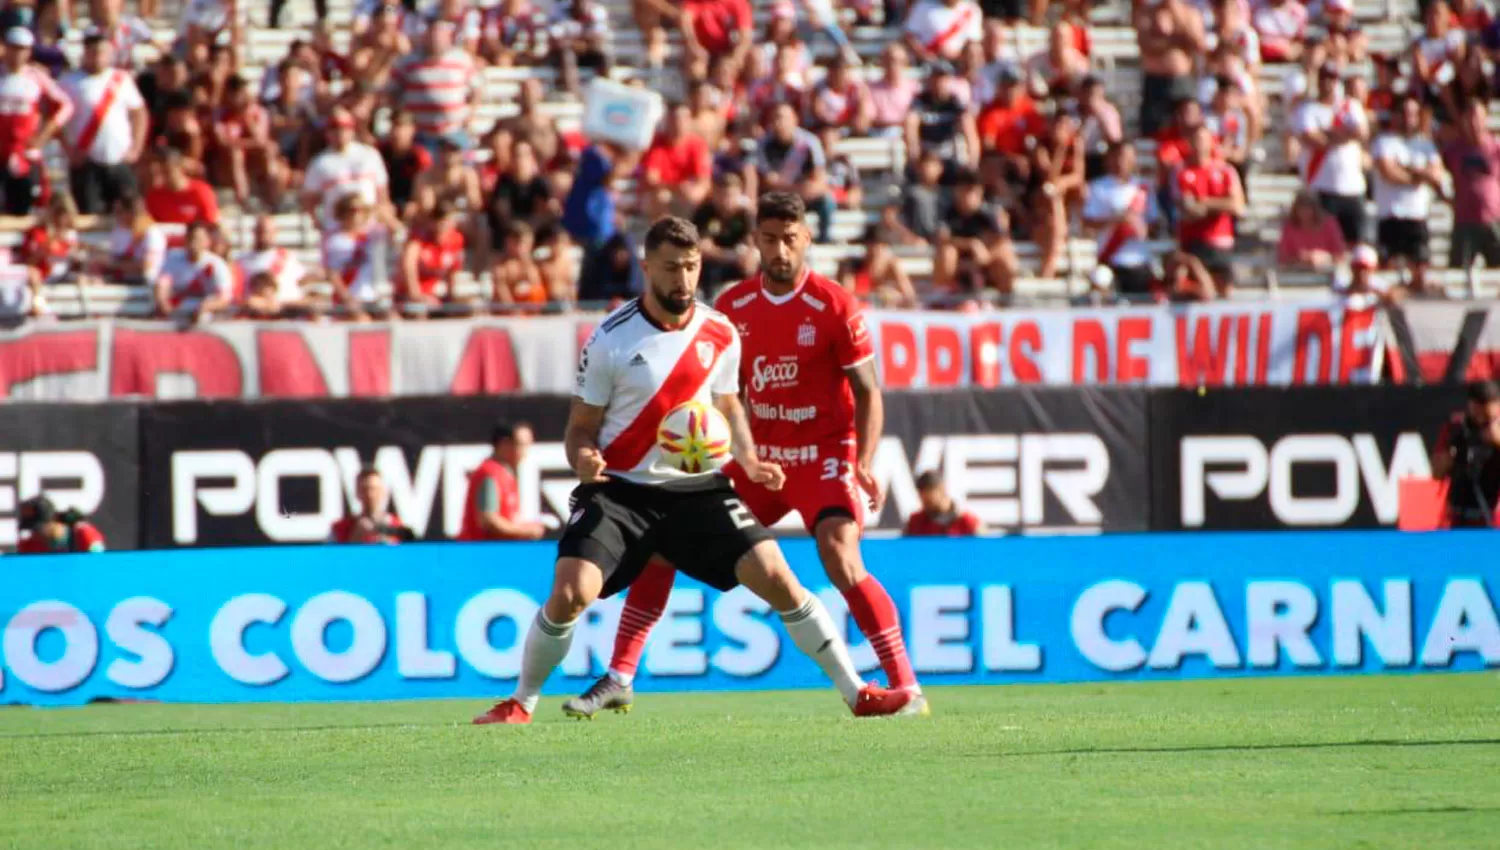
446 620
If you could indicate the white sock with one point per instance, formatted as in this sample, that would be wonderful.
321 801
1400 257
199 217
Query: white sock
813 632
546 645
623 679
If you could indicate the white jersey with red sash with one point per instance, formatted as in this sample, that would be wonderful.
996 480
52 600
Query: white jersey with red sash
283 267
1337 169
639 371
100 126
1126 203
351 256
944 30
149 248
193 279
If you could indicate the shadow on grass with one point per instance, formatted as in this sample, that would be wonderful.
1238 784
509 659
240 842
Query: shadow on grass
1429 810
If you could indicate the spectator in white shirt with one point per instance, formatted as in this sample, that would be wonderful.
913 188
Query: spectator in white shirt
345 167
1120 208
286 272
580 38
1332 130
939 29
1409 175
137 245
1437 56
107 132
193 278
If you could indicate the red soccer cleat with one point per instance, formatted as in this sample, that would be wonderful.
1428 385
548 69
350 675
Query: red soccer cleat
509 712
875 701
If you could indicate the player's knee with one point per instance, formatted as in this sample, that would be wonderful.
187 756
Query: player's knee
765 571
838 548
575 585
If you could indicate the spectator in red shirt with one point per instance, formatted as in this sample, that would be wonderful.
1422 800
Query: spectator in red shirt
51 532
716 28
492 507
1210 198
940 516
176 198
677 169
375 522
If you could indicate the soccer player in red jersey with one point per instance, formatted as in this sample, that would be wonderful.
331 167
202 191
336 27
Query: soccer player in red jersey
808 377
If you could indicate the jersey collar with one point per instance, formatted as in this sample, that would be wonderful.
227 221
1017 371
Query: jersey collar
778 300
646 314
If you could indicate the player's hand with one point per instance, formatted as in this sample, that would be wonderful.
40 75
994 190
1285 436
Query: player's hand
768 475
867 483
590 465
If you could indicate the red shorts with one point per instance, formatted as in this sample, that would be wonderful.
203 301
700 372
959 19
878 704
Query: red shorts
814 490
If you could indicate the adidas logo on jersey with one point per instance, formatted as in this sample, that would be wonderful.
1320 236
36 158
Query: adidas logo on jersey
637 360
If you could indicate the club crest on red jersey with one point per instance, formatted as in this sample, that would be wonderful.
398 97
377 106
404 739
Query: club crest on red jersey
706 353
807 335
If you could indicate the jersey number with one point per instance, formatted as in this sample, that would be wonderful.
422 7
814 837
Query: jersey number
834 468
739 513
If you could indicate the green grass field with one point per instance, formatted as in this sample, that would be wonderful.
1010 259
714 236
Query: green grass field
1397 762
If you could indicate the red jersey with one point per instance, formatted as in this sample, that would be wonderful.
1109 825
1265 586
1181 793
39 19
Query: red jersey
1208 181
718 23
953 524
438 259
794 351
25 96
343 530
82 538
194 202
505 497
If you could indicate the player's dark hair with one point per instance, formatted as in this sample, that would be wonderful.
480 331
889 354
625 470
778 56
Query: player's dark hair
929 480
780 206
671 230
502 431
366 471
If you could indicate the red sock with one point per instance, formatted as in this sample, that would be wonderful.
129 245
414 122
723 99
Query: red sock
644 603
876 616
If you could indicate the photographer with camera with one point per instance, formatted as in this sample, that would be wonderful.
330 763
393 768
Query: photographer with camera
53 532
1468 458
375 522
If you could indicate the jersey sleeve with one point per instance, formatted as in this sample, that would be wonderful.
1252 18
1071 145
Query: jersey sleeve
595 372
223 280
130 95
851 339
726 380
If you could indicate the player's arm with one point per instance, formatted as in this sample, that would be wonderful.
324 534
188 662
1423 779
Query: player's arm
581 441
869 425
742 444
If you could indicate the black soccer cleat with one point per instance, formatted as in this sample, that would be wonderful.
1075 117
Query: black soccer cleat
604 694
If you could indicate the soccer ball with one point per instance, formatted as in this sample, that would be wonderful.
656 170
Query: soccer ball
693 437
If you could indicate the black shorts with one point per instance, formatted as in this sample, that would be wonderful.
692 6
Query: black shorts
1403 238
619 525
1218 261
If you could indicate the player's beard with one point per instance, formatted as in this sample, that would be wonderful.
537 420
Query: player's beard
785 271
675 303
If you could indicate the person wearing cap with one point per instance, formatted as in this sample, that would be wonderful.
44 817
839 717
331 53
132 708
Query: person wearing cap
438 85
33 109
345 167
107 133
48 531
1362 288
1409 176
1332 131
1467 456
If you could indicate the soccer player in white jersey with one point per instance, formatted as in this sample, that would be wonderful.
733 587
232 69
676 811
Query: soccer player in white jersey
648 357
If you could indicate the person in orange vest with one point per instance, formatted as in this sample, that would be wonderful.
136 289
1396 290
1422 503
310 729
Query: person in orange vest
493 505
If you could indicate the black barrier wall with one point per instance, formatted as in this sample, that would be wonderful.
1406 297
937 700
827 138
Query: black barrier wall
1307 457
1030 460
84 456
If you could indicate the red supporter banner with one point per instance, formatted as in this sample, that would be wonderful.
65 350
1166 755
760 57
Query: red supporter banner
1216 345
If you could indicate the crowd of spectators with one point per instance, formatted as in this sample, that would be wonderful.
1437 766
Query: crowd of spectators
381 144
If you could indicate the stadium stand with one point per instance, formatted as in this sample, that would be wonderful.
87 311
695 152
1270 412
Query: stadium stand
1112 44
